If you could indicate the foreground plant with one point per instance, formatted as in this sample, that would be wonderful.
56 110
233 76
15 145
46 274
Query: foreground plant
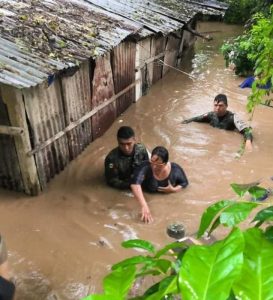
240 266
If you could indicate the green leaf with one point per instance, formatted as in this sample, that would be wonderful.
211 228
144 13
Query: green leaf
167 287
269 233
137 243
119 282
169 247
236 213
208 272
210 213
264 215
133 261
241 189
164 283
257 192
256 280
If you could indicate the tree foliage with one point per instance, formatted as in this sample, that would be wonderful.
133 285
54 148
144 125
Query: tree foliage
252 54
237 267
240 11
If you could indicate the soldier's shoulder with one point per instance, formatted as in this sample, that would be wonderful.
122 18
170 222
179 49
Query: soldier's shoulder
112 154
140 147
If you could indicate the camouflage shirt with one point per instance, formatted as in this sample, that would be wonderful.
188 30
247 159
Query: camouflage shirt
119 167
229 121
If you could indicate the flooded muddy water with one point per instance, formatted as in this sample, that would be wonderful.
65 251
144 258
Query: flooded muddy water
63 242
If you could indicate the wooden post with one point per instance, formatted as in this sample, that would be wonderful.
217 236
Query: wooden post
17 115
8 130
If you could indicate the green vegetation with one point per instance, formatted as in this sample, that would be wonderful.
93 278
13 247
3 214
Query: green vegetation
237 267
252 54
240 11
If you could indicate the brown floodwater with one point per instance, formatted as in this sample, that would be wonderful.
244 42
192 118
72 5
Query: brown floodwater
64 241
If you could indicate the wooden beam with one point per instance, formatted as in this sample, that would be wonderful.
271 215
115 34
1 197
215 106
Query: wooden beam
13 99
72 125
9 130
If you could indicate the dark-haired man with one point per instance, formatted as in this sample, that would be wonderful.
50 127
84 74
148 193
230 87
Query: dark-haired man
123 160
222 118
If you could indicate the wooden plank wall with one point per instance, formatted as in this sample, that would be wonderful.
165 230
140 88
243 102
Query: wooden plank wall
10 173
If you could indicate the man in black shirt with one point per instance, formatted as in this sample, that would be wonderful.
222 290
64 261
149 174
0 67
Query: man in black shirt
221 118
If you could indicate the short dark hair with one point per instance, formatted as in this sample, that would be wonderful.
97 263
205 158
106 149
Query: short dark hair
161 152
221 98
125 132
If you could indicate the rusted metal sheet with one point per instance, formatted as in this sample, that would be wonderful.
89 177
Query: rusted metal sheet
171 51
103 89
45 114
144 67
123 68
77 101
10 173
158 46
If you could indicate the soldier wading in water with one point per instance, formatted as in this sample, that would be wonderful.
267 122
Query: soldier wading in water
121 162
221 118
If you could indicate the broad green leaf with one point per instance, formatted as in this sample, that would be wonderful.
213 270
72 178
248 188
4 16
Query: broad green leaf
137 243
241 189
119 282
210 213
257 192
162 265
166 288
264 215
214 225
169 247
133 261
208 272
269 233
236 213
148 272
159 285
256 280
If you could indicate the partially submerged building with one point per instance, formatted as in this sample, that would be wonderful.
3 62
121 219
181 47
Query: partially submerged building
68 69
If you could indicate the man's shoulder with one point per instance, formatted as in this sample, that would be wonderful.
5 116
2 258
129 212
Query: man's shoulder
140 147
114 153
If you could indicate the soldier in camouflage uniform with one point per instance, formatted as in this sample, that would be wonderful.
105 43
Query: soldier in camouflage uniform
121 162
224 119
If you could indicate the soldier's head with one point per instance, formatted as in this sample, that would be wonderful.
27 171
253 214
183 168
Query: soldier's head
126 140
220 105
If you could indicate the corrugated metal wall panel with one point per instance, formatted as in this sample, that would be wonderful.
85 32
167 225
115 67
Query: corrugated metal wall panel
123 68
103 89
158 46
10 173
45 115
77 102
171 53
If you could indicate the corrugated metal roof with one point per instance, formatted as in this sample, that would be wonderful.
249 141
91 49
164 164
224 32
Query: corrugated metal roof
39 38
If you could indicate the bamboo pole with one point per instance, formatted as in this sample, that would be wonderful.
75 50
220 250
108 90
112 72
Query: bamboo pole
9 130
